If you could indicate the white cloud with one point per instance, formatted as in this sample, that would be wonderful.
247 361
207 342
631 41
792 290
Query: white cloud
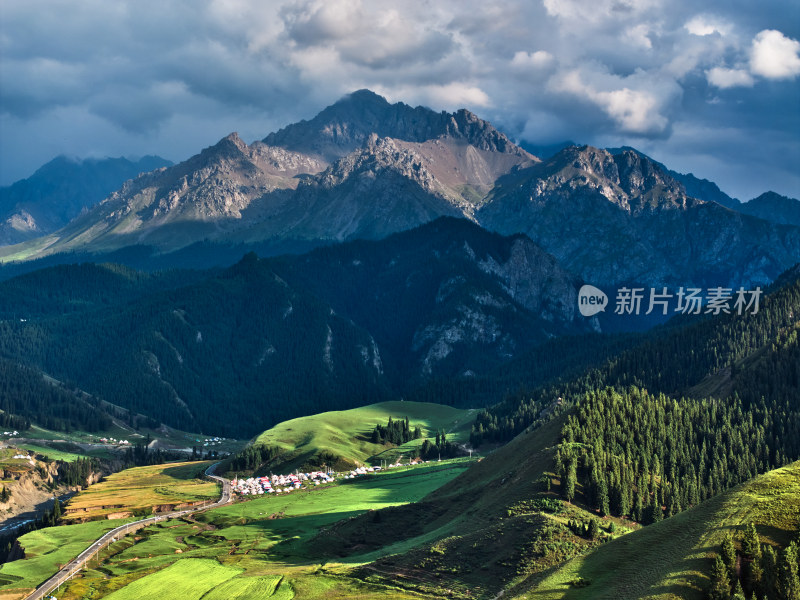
775 56
635 104
636 111
535 60
727 78
454 95
639 35
703 25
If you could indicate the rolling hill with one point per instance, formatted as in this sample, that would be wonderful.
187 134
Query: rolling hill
344 436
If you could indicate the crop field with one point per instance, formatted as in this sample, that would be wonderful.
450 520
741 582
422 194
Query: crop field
138 490
190 579
347 433
671 560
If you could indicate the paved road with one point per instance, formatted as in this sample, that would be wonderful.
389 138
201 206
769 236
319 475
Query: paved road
75 565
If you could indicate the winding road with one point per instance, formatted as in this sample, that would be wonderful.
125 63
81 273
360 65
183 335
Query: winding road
72 567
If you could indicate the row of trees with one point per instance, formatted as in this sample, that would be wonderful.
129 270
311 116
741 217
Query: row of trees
395 432
441 448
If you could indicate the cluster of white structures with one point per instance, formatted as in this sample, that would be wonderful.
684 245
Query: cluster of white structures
215 441
278 484
25 457
11 433
112 440
283 484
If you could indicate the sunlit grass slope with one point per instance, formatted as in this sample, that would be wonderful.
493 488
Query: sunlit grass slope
671 560
346 433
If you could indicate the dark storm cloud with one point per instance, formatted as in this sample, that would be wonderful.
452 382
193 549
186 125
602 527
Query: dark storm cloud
704 86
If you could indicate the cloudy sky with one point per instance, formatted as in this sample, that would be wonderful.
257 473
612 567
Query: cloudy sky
705 86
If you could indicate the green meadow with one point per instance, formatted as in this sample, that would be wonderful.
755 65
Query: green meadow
346 433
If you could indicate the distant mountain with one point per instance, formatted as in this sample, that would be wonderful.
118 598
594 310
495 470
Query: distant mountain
57 192
705 190
291 335
774 208
621 218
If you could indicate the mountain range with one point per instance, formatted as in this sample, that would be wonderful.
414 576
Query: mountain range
364 168
278 337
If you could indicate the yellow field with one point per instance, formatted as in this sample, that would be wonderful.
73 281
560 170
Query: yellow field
142 490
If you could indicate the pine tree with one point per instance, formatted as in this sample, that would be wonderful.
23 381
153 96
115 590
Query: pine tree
720 581
728 552
594 529
655 513
769 568
751 551
569 482
638 508
738 592
602 497
789 580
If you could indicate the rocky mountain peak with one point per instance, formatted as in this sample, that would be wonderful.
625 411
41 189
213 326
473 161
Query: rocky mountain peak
640 175
479 133
230 147
348 124
628 179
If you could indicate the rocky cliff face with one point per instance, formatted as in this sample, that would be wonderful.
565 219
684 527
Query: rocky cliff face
460 299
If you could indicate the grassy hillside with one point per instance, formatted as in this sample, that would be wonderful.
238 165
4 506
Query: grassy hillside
346 433
671 560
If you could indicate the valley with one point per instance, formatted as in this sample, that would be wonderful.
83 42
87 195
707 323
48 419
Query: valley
369 323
